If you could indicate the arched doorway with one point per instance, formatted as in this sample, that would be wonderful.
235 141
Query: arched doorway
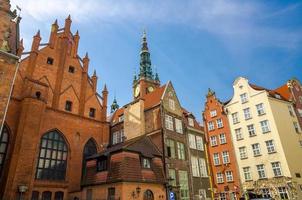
148 195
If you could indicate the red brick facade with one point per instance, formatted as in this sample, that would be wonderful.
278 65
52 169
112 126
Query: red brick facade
227 187
53 94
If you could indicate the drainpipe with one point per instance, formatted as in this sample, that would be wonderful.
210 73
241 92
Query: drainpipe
162 113
11 90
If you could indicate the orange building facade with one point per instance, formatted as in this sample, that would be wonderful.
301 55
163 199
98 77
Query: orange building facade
225 177
55 119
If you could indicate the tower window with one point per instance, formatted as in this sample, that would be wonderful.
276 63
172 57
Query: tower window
68 106
71 69
50 61
92 112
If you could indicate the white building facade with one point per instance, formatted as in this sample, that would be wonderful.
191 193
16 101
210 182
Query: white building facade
266 141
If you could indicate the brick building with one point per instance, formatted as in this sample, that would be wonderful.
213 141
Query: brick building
10 51
222 158
129 170
55 120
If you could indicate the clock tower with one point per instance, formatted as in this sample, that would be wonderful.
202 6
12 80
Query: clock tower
146 81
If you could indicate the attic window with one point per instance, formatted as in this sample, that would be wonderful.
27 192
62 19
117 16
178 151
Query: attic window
191 121
277 96
50 61
71 69
92 112
68 105
146 163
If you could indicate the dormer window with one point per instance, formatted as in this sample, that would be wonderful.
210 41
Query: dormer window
68 106
146 163
191 121
102 164
71 69
121 118
49 61
277 96
92 112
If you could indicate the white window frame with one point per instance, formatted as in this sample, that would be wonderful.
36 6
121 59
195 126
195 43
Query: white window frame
235 117
203 167
261 171
270 146
243 152
213 140
225 157
291 111
211 126
283 193
219 123
169 122
178 126
181 151
276 167
199 143
238 133
247 173
192 141
260 109
256 149
265 127
247 113
213 113
244 98
229 176
191 121
222 138
216 159
195 166
219 177
251 130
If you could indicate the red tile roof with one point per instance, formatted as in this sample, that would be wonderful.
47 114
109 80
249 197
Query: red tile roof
153 98
272 93
284 91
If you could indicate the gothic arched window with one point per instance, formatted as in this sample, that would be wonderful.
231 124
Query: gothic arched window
148 195
89 149
52 159
3 147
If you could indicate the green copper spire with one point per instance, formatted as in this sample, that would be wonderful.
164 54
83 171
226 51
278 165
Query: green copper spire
145 61
114 105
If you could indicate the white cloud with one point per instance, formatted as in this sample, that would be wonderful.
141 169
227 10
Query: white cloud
229 20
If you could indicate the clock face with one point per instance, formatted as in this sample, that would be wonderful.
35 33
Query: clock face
136 91
150 89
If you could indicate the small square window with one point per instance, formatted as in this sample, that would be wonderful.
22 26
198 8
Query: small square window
71 69
49 61
146 163
298 175
68 106
92 112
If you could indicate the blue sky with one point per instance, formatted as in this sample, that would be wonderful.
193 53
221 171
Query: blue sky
196 44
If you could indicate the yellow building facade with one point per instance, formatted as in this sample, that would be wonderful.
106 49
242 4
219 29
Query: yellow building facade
266 141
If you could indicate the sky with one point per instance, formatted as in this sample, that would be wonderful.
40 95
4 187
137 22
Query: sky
197 44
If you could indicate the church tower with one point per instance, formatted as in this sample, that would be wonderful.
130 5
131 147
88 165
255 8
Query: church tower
146 81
